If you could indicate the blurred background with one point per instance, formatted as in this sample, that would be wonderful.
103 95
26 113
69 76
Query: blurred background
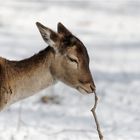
110 29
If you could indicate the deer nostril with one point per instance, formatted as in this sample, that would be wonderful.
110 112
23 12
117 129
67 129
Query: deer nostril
93 88
88 86
81 81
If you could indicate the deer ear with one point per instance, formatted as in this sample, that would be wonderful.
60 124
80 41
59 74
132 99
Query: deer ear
49 36
61 29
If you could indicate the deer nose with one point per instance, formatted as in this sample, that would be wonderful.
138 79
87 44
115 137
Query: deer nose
89 87
93 87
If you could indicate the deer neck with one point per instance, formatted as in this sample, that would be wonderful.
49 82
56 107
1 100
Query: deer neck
31 75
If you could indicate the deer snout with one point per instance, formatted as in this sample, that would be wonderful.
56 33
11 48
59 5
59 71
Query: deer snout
93 87
88 87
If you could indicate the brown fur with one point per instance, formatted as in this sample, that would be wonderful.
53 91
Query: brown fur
66 59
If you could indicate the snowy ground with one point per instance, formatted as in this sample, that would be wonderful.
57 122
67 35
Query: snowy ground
111 32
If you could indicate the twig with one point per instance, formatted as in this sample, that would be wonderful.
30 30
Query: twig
95 117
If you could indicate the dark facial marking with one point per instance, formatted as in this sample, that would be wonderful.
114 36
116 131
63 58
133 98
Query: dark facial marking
81 50
53 36
67 41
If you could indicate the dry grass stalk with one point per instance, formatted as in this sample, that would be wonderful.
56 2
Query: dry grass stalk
95 117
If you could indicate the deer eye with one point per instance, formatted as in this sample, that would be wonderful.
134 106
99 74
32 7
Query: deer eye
74 60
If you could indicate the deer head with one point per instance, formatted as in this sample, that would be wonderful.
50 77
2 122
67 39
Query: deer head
71 61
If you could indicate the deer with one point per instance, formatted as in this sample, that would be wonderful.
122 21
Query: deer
65 59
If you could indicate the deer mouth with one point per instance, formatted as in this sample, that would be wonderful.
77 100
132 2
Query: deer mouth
83 90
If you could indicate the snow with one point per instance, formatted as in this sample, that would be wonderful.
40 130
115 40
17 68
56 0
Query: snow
110 30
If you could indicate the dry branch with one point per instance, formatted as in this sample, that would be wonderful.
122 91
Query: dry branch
95 117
